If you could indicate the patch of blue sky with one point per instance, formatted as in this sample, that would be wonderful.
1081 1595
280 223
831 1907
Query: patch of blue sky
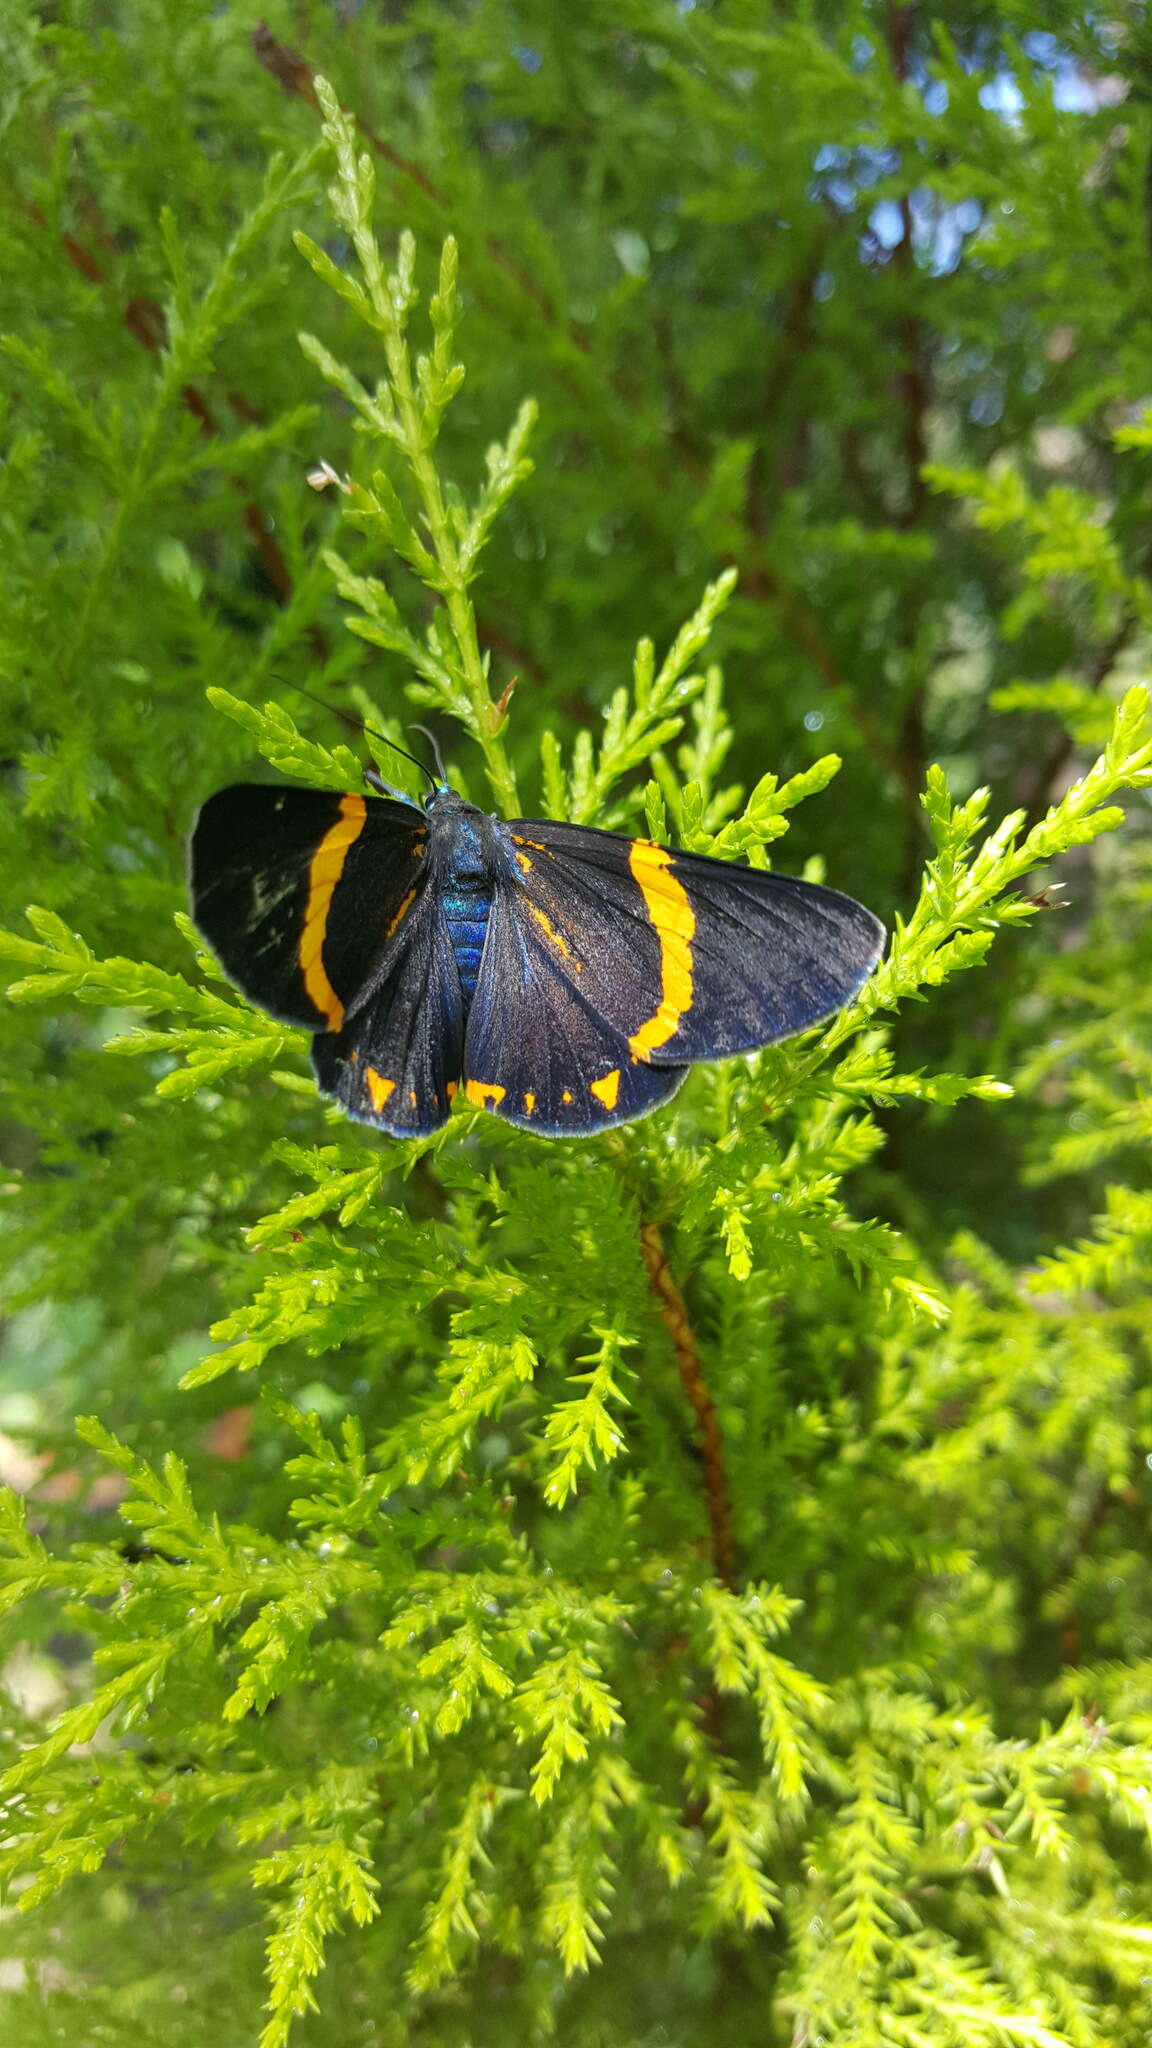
1001 95
1075 89
887 223
842 174
940 228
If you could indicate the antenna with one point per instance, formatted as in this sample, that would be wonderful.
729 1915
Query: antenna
362 725
434 743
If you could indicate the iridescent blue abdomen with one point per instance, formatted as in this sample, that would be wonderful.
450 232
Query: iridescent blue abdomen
466 903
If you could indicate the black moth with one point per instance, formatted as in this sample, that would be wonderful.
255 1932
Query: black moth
562 977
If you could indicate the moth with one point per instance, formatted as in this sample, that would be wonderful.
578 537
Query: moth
561 977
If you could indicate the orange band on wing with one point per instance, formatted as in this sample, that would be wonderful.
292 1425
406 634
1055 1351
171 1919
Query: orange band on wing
666 902
325 871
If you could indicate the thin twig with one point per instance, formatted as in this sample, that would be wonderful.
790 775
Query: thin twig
292 71
675 1314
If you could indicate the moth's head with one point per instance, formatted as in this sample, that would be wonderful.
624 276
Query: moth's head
443 798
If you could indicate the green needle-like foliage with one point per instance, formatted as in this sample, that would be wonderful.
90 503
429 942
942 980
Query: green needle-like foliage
689 1586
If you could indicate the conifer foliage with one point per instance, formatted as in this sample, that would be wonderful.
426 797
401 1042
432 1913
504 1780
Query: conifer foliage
690 1585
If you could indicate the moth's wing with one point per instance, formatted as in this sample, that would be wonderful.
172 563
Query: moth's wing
542 1047
297 890
536 1051
684 957
397 1060
748 957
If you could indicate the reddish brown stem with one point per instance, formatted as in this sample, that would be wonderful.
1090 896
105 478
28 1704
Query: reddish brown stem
675 1314
146 323
292 71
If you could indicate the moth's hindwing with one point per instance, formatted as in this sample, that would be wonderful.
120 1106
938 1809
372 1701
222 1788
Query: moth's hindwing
296 891
397 1059
537 1051
612 964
